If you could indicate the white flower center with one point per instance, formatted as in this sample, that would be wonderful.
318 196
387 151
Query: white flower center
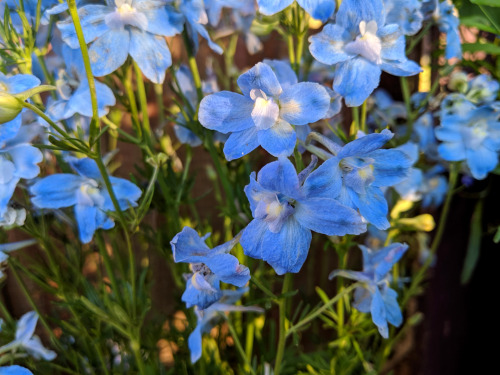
367 44
125 15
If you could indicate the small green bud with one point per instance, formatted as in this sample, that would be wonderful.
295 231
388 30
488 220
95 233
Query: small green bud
9 107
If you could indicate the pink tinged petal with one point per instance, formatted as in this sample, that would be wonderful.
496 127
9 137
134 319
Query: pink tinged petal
109 52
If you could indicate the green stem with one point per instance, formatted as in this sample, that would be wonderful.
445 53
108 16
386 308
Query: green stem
239 347
405 88
193 65
287 283
355 121
143 100
291 50
94 124
418 38
299 51
363 117
132 102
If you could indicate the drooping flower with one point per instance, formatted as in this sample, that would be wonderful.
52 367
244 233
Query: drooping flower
209 317
265 113
286 207
87 193
319 9
360 45
358 171
209 267
126 27
375 296
473 137
26 340
18 160
446 16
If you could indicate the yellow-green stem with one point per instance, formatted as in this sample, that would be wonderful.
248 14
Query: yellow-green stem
287 283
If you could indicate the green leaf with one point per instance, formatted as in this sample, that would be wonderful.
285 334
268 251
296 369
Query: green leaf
491 3
474 245
496 239
480 16
489 48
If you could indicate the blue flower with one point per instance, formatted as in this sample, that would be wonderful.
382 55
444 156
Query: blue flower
14 370
209 317
209 267
423 129
74 92
358 171
265 113
473 137
195 17
87 193
319 9
26 340
126 27
375 296
286 207
29 10
386 111
18 160
482 89
405 13
434 187
409 188
446 16
360 45
14 85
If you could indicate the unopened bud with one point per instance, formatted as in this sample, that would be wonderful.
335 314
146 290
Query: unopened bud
424 222
9 107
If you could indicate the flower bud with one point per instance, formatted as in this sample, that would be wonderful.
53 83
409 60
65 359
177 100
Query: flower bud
9 107
424 222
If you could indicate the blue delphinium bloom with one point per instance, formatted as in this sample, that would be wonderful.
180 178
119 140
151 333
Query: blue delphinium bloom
286 208
446 16
87 193
18 160
434 187
358 171
360 45
473 137
319 9
126 27
423 129
209 267
386 111
482 89
409 188
265 113
195 18
375 296
14 85
26 340
209 317
74 92
405 13
29 10
14 370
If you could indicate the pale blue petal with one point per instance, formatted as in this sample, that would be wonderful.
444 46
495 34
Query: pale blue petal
35 348
390 167
163 21
109 52
365 145
254 192
279 176
384 259
202 297
84 167
9 129
304 103
392 309
373 206
279 140
56 191
14 370
80 100
362 299
151 53
379 316
270 7
355 80
86 221
481 161
328 46
226 112
260 77
401 68
125 191
26 326
452 151
228 270
21 82
188 246
26 158
319 9
450 132
327 216
194 344
352 12
284 72
325 181
251 238
241 143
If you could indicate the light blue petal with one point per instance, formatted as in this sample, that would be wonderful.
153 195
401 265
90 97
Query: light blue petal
481 161
284 72
373 206
327 216
355 80
14 370
21 82
260 77
85 167
202 298
251 238
401 68
186 136
452 151
26 158
26 326
80 100
279 140
270 7
390 167
384 259
279 176
392 309
304 103
379 316
36 349
453 47
241 143
319 9
194 344
393 44
365 145
126 192
226 112
56 191
9 129
151 54
352 12
109 52
188 246
254 192
86 221
362 299
449 132
228 270
328 46
162 21
325 181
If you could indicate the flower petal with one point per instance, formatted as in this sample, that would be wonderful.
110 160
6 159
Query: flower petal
355 80
328 46
304 103
109 52
260 77
226 112
241 143
279 140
